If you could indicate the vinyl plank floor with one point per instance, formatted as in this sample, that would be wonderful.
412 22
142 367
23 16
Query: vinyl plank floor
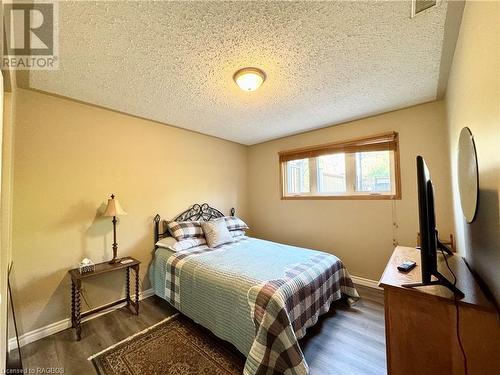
346 340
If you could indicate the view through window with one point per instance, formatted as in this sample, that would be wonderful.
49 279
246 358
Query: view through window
354 169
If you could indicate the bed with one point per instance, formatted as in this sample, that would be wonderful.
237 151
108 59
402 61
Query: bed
260 296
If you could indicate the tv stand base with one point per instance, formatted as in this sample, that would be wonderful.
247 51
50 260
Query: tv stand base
440 280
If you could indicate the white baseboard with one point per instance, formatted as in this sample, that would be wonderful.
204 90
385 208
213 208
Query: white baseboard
61 325
365 282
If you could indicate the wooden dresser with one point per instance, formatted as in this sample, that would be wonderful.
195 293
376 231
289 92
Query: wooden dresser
420 323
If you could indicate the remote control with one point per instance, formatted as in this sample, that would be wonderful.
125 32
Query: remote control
407 266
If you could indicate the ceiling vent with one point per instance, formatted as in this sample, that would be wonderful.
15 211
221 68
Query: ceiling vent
418 6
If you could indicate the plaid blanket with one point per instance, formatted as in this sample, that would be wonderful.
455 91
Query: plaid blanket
174 266
282 309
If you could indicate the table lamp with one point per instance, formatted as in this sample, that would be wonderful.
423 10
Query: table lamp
113 210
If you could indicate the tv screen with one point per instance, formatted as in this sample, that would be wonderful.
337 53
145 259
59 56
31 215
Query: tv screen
429 242
427 221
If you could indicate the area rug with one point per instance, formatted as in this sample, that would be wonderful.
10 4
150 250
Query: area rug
174 346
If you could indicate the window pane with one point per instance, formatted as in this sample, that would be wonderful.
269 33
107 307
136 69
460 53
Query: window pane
331 173
297 173
373 171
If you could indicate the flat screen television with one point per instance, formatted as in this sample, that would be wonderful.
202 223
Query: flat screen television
429 241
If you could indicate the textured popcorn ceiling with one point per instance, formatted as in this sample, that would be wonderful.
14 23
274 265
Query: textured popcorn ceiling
326 62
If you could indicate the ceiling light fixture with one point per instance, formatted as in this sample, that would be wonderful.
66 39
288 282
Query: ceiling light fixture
249 79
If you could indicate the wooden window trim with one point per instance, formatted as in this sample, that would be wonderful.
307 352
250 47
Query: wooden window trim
380 142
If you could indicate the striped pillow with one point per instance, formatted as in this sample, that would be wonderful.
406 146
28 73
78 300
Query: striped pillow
235 223
185 229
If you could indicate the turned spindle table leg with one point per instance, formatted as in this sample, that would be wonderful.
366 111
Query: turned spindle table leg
127 285
73 292
136 269
77 311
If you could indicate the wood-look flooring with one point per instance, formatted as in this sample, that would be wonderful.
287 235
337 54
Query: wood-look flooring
344 341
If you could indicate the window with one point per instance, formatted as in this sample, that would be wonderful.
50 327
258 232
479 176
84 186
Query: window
365 168
298 176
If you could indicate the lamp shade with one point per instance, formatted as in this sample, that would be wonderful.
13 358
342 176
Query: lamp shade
113 208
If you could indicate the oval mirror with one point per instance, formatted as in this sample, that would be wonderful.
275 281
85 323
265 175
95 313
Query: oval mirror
468 183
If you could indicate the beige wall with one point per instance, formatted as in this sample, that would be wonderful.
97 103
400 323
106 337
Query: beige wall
69 157
473 100
359 232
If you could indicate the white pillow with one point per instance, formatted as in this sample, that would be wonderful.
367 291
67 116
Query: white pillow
216 232
237 233
239 238
189 243
172 244
167 243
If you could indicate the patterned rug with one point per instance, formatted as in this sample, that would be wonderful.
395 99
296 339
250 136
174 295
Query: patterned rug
174 346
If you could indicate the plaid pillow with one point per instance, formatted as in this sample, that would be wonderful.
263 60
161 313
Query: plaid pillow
235 223
185 229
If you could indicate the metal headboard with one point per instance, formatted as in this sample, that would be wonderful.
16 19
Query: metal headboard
194 213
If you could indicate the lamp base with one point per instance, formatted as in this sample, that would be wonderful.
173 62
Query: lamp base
115 245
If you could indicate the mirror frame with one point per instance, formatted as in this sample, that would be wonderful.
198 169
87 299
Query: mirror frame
467 164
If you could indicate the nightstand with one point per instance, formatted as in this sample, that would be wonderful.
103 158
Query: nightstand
100 268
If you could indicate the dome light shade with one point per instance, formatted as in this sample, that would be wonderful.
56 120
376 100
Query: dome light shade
249 79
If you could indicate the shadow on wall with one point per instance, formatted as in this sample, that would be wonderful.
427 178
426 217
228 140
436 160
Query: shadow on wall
57 299
99 227
483 241
57 306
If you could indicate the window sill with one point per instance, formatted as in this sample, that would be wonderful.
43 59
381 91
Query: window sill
342 197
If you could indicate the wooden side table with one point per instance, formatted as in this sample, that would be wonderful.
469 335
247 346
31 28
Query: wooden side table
100 268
